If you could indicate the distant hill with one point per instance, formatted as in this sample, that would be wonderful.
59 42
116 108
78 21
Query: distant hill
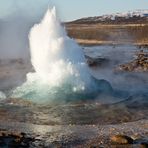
138 16
119 28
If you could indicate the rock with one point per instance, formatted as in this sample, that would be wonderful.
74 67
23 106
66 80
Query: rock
121 139
144 145
96 61
139 64
142 141
2 142
15 140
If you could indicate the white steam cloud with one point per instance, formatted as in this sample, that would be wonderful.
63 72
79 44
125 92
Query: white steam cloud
59 63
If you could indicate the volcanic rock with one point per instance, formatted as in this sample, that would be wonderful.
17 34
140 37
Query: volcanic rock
96 61
121 139
139 64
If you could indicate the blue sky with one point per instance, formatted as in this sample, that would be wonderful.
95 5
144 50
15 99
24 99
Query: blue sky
69 9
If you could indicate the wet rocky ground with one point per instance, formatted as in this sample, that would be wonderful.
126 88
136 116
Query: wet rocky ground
140 63
126 135
106 122
83 124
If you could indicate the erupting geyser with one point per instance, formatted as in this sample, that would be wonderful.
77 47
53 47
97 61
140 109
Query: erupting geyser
55 57
59 64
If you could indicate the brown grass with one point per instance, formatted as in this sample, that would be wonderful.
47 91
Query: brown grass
99 33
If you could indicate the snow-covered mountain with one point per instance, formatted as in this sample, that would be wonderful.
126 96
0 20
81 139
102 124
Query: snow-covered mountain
129 14
137 14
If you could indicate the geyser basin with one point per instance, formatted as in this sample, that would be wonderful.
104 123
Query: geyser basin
60 69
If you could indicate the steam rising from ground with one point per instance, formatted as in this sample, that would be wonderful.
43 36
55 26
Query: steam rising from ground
59 63
16 19
2 95
13 38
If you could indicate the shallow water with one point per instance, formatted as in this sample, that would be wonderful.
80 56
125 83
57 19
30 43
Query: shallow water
119 54
123 105
82 113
